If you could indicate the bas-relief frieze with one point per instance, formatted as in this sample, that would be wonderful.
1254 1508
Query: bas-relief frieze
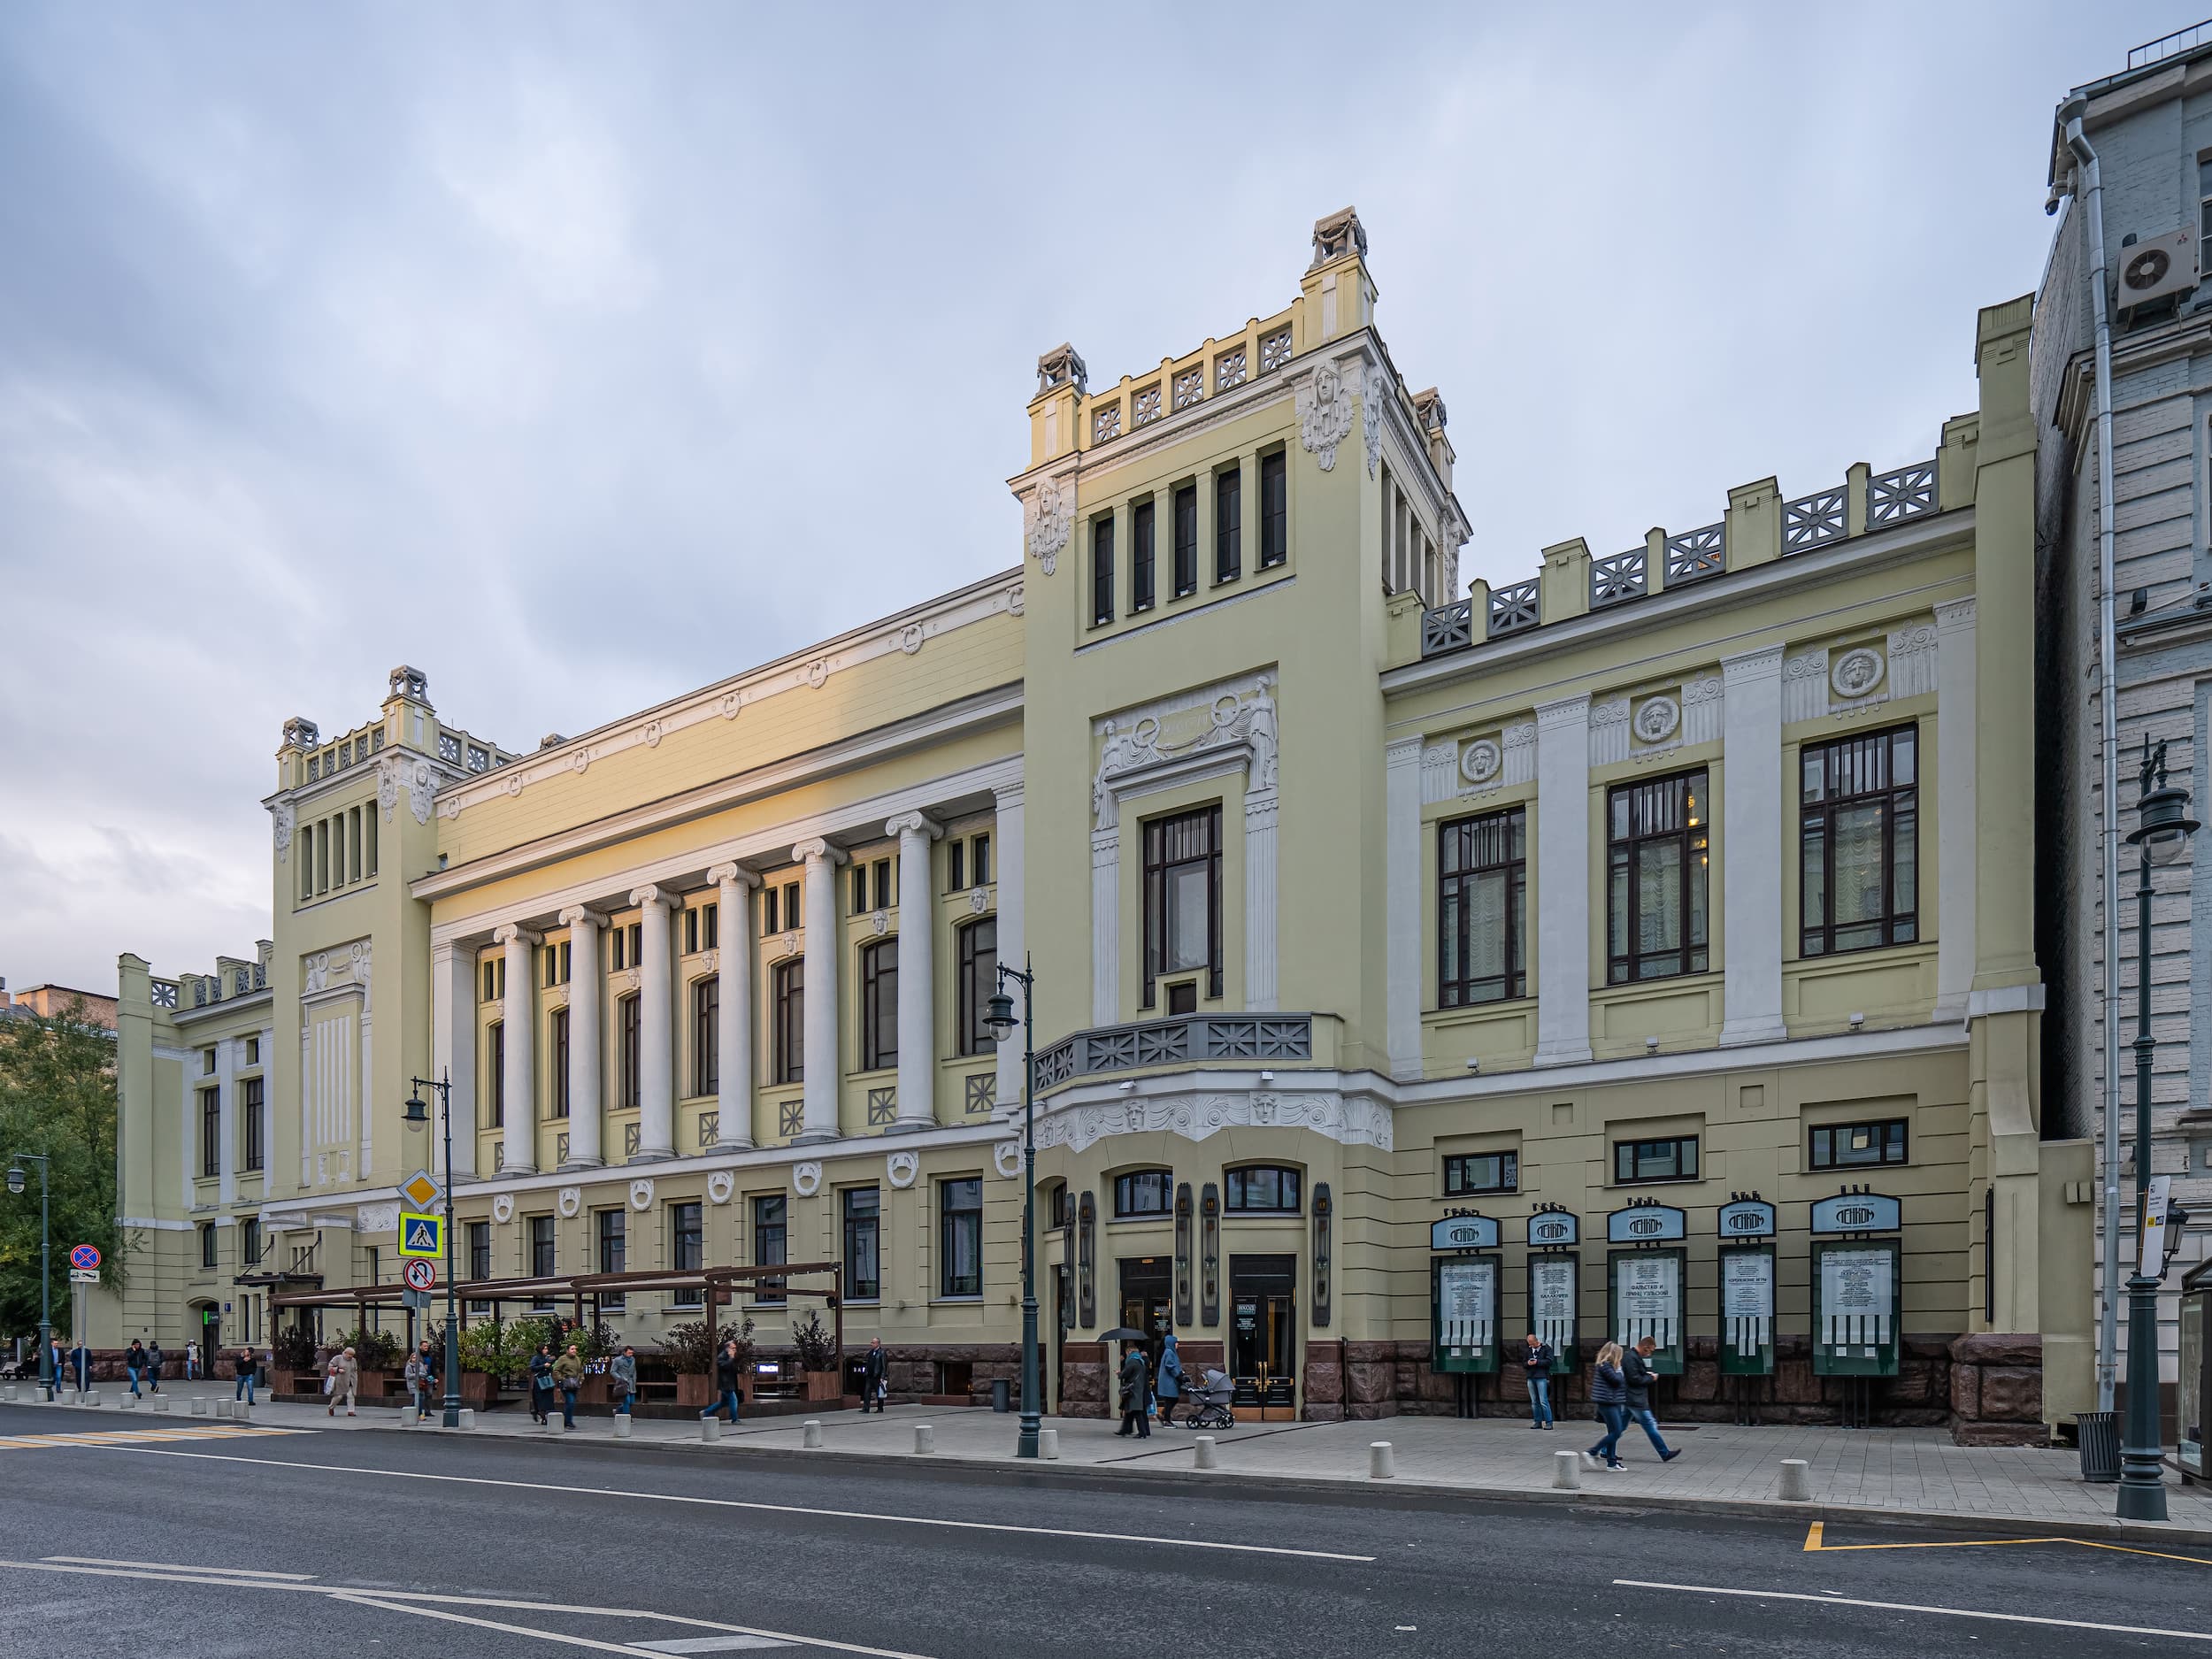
1351 1120
1227 716
1468 768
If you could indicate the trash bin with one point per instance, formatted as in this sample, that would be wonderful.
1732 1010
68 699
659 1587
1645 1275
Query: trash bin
1003 1398
2098 1433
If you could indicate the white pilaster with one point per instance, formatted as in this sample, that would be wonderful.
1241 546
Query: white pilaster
1105 926
520 1077
1007 840
917 993
1562 881
452 1047
824 1063
1401 906
656 1028
1957 805
307 1138
364 1057
1259 901
587 996
1751 846
734 1005
268 1111
226 1119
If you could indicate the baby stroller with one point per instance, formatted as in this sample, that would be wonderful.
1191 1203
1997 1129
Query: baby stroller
1208 1402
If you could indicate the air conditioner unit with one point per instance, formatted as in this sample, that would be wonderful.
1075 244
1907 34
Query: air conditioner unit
2156 267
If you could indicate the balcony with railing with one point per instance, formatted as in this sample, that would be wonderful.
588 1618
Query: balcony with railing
1258 1039
1758 528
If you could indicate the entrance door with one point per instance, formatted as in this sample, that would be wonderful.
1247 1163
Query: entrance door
1148 1302
1264 1328
211 1338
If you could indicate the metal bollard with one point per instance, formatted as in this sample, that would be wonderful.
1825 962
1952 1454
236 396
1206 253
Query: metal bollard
1204 1446
810 1435
925 1437
622 1426
1566 1471
1382 1464
1048 1444
1797 1483
710 1429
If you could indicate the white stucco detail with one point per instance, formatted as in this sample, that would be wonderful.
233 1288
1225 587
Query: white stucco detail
1562 899
1952 780
1402 773
1751 847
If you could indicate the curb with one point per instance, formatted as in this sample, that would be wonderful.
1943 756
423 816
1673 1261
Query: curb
1220 1480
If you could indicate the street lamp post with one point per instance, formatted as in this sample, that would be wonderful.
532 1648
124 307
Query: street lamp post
17 1179
2160 834
1001 1020
417 1113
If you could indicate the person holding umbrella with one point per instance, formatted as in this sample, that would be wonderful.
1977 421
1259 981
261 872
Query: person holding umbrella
1136 1383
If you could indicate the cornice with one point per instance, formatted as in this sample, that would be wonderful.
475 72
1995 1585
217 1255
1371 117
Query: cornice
2132 353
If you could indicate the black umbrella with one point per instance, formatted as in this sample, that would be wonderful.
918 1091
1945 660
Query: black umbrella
1123 1333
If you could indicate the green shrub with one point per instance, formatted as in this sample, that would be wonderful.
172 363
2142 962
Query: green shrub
690 1348
817 1348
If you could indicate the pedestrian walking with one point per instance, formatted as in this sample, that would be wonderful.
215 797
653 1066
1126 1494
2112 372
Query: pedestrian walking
1168 1385
244 1390
57 1365
568 1377
1609 1393
623 1376
418 1376
1135 1392
80 1366
1636 1369
153 1365
1536 1365
344 1383
729 1382
874 1382
542 1384
135 1364
191 1361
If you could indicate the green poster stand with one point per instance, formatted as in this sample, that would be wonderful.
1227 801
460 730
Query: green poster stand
1463 1314
1554 1285
1644 1297
1857 1286
1747 1310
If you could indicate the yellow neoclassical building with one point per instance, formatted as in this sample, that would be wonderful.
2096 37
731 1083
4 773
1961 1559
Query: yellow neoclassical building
1642 947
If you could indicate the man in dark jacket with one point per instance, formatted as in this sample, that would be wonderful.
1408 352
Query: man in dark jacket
729 1382
1637 1372
1536 1360
873 1366
153 1366
1135 1395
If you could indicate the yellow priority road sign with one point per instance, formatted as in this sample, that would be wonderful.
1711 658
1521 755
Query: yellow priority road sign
421 1235
421 1189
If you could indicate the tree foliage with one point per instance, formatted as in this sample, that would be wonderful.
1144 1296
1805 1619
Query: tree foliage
57 1099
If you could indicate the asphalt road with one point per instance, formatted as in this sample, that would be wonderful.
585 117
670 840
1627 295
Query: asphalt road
459 1546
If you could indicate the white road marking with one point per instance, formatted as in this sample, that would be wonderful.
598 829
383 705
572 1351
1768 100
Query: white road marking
710 1644
562 1637
1911 1607
176 1566
740 1504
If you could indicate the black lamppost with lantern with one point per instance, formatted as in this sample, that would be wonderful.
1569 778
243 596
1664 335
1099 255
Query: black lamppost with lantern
17 1180
2161 835
418 1114
1001 1020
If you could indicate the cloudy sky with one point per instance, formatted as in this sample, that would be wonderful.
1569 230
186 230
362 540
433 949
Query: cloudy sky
579 356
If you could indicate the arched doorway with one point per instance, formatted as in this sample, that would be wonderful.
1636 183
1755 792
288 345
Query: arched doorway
204 1325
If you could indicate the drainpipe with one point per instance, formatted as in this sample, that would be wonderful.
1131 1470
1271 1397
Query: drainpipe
2108 711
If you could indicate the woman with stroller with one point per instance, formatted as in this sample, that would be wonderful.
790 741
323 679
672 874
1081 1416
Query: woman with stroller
1168 1386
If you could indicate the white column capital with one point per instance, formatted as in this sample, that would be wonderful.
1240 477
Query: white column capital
649 896
1745 667
1403 751
818 850
1954 613
511 932
913 823
1566 712
1008 795
582 916
732 875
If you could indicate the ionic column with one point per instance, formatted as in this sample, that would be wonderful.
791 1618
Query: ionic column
520 1075
1006 840
1562 881
657 1030
823 1062
733 1033
452 1048
1751 846
587 994
227 1118
917 993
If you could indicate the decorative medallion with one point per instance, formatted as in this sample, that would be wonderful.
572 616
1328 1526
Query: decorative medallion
901 1168
1856 672
790 943
881 922
976 901
731 703
641 1193
806 1178
504 1207
1007 1155
910 637
570 1200
514 784
579 760
817 672
719 1187
629 979
1480 761
653 734
1659 719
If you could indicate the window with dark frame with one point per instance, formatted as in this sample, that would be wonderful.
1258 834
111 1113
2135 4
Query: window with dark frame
691 933
686 1250
1274 509
1857 1145
860 886
614 1237
1261 1189
710 928
978 947
864 1273
956 867
960 1238
207 1244
879 1004
1656 878
1228 524
542 1263
1142 1193
980 861
618 940
1858 842
768 912
788 1003
495 1088
556 1042
1187 541
1140 583
769 1239
628 1045
249 1241
1101 570
1182 898
1673 1159
1470 1172
479 1249
1059 1206
211 1131
706 1034
250 1098
1481 906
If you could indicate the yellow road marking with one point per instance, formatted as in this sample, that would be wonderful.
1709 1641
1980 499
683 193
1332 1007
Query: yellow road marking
1817 1532
134 1437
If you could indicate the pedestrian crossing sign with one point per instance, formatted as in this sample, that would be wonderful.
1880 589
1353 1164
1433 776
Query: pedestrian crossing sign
421 1235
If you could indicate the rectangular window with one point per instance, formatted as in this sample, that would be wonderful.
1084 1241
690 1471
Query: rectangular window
353 845
1229 524
1670 1160
1142 1193
2204 215
207 1062
565 962
956 867
628 1046
979 979
960 1238
789 1047
706 1041
793 912
211 1131
863 1278
1465 1174
886 885
1656 878
1482 887
768 1245
1182 898
495 1086
1856 1145
479 1249
1140 558
307 861
860 889
979 856
1858 842
636 930
369 824
1262 1191
686 1250
249 1241
250 1127
1101 570
1187 540
207 1244
879 1004
711 927
691 933
253 1051
540 1247
768 912
556 1042
614 1241
1274 511
617 945
491 980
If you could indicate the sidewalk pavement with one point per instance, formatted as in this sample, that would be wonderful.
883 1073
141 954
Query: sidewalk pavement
1893 1475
